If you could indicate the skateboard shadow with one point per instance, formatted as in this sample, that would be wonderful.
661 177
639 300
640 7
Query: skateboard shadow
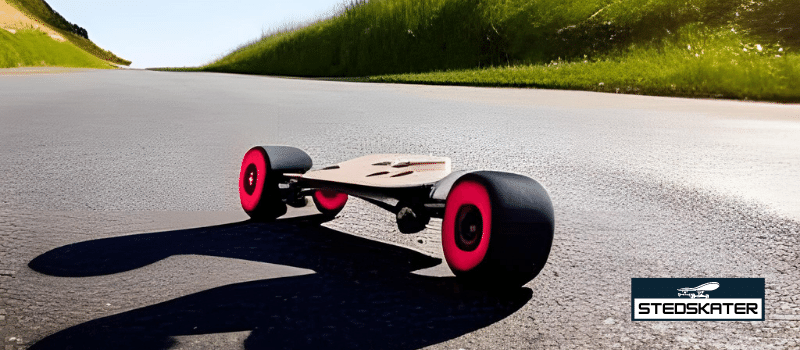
361 296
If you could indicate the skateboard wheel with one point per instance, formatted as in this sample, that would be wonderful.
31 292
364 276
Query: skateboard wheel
258 192
497 227
329 203
467 226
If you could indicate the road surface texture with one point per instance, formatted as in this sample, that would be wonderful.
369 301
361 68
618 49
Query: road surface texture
120 225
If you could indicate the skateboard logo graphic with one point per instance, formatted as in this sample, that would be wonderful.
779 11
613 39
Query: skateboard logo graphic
654 299
697 292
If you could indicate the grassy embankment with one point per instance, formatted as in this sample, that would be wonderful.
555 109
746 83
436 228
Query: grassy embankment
39 10
31 47
704 48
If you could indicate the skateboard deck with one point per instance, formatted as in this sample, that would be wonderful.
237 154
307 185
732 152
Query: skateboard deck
385 170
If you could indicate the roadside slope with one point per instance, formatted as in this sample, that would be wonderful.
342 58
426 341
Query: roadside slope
29 47
704 48
35 35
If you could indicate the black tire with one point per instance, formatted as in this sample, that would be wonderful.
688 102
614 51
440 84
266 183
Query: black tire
258 187
497 229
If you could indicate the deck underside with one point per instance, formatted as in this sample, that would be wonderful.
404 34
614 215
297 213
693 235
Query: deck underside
385 171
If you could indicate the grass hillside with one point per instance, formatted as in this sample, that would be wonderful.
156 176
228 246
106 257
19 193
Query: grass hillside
35 48
719 48
78 36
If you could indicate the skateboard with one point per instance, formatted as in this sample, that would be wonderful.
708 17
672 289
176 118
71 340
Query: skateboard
497 227
699 290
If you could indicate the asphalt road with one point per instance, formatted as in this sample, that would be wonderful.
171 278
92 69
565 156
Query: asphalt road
120 224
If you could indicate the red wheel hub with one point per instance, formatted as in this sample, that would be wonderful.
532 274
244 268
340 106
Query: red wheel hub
251 178
330 200
467 225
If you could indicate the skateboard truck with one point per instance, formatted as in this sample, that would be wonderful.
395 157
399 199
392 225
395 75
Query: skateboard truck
412 218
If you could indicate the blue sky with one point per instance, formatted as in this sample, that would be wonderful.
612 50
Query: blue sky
176 33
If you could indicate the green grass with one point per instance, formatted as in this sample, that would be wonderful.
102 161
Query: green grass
39 9
661 47
34 48
700 68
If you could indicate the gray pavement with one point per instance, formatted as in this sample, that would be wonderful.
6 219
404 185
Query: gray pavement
120 224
